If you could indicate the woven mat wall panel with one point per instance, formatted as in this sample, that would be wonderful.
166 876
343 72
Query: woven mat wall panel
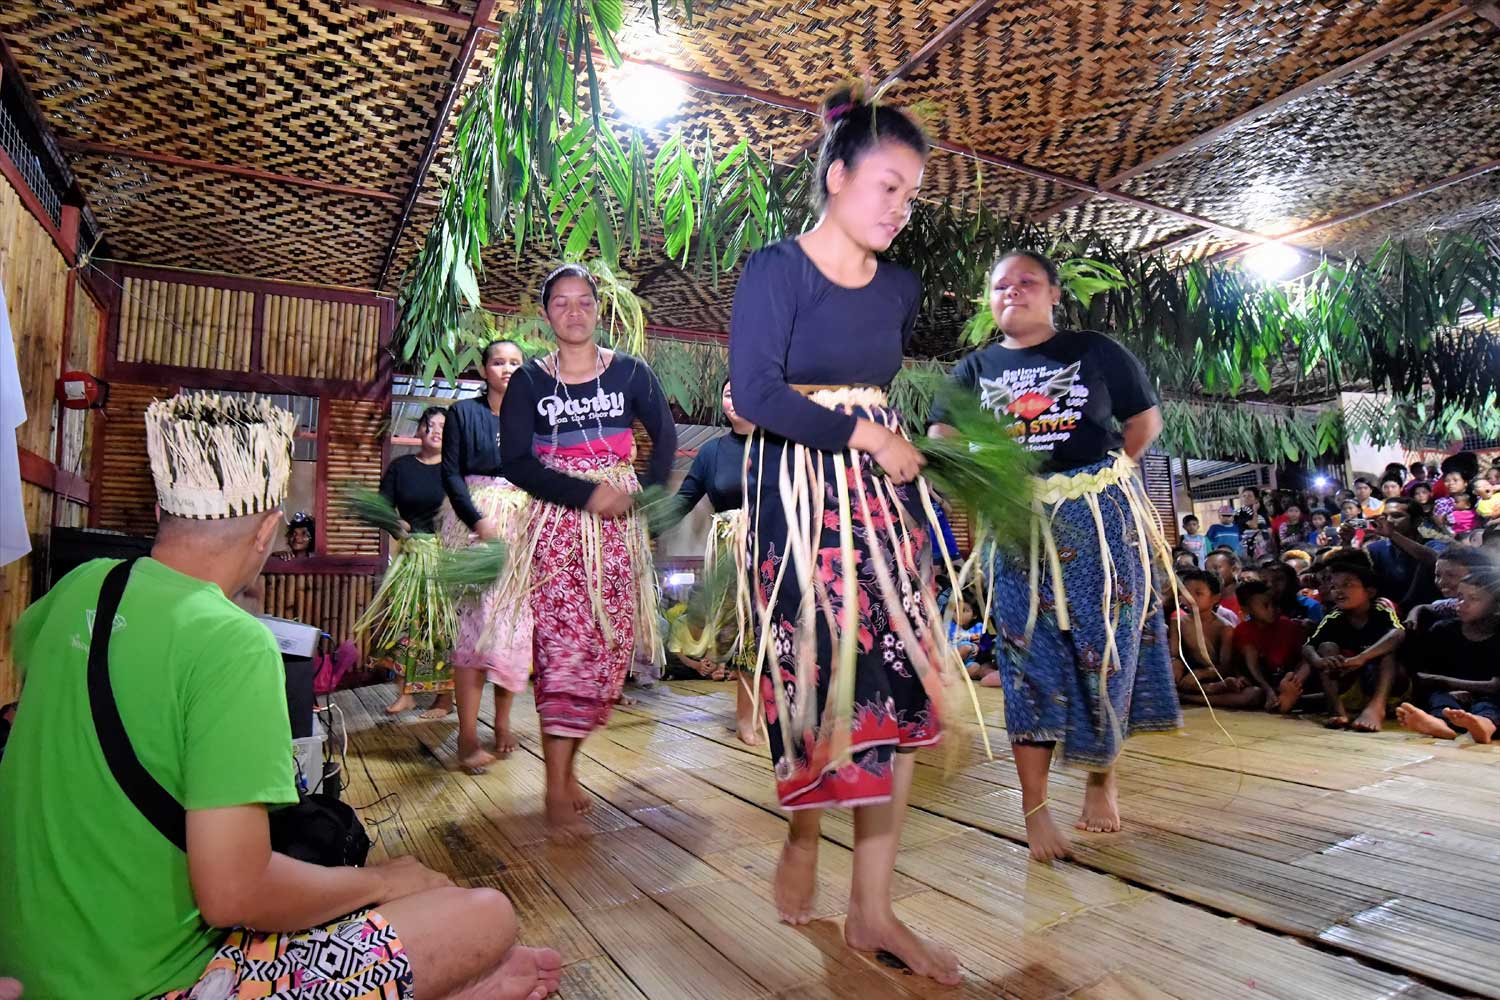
1430 112
306 87
685 301
178 217
1087 88
799 49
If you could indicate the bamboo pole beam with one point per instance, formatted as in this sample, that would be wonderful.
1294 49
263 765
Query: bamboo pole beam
1239 121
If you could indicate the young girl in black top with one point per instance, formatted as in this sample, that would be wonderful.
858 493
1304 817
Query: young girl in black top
846 616
494 636
584 564
1083 657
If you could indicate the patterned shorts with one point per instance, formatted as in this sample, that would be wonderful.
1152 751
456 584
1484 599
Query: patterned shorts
357 957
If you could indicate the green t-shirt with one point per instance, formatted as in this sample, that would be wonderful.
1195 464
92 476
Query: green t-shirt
93 900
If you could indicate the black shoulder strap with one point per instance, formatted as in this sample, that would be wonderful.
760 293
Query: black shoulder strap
144 792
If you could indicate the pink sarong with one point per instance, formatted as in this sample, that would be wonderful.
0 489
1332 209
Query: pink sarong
491 638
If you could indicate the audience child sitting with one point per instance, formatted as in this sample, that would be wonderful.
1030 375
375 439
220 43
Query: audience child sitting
1202 649
1269 644
1321 531
1354 648
1462 517
1352 524
1488 507
1225 567
1457 665
965 631
1423 497
1182 559
1370 505
1454 564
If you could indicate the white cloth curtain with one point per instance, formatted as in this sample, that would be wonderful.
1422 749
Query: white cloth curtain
15 540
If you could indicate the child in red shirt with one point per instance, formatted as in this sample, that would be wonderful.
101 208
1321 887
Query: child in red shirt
1269 644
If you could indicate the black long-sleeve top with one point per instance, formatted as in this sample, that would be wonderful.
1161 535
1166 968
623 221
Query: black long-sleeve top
415 489
792 326
717 472
471 447
542 416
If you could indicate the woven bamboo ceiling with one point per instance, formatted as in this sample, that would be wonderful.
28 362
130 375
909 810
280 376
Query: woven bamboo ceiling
280 138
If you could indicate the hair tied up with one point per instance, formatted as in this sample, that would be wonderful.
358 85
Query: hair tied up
836 112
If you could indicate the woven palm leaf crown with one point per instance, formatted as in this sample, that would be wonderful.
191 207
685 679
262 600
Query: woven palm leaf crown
217 456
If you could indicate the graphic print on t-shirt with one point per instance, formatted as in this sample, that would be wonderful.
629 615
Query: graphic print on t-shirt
1046 402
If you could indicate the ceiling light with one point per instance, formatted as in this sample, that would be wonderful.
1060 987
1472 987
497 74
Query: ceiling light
644 95
1272 261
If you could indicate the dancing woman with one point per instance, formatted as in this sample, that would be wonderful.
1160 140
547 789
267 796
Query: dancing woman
718 472
838 530
1082 644
494 637
414 486
585 563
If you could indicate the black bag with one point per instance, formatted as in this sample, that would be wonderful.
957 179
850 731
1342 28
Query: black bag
319 829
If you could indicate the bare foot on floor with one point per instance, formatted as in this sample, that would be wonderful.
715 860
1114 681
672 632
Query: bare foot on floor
440 709
1336 722
475 761
582 803
1482 729
748 734
1415 720
404 703
796 883
563 824
505 742
1288 694
889 935
1046 841
528 974
1370 720
990 680
1101 808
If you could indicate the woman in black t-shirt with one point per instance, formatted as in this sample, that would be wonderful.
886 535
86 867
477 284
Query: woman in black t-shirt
584 565
1083 649
414 486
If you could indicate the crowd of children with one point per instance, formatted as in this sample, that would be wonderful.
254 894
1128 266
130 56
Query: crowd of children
1355 604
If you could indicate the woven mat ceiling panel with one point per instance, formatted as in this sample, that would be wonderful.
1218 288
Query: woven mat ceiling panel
1087 88
1430 112
1123 223
306 87
1475 202
179 217
800 49
953 176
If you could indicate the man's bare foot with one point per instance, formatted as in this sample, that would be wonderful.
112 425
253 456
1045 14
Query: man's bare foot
563 825
475 761
1482 729
1045 840
1101 808
1413 719
440 709
1289 693
1370 720
527 974
796 882
403 703
890 935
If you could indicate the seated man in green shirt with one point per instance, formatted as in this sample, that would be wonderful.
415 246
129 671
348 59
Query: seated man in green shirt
96 901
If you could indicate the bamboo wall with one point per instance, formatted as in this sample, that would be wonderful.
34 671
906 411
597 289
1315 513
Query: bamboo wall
35 278
321 339
331 602
356 437
186 325
124 495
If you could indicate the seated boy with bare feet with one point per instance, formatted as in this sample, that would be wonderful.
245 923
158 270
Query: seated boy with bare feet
1269 644
1353 649
1201 649
964 634
1457 664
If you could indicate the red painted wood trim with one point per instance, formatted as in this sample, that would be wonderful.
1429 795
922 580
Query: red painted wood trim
321 489
321 565
37 471
241 284
107 327
213 378
34 206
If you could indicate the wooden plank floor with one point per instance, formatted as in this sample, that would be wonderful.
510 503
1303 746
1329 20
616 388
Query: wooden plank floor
1276 859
